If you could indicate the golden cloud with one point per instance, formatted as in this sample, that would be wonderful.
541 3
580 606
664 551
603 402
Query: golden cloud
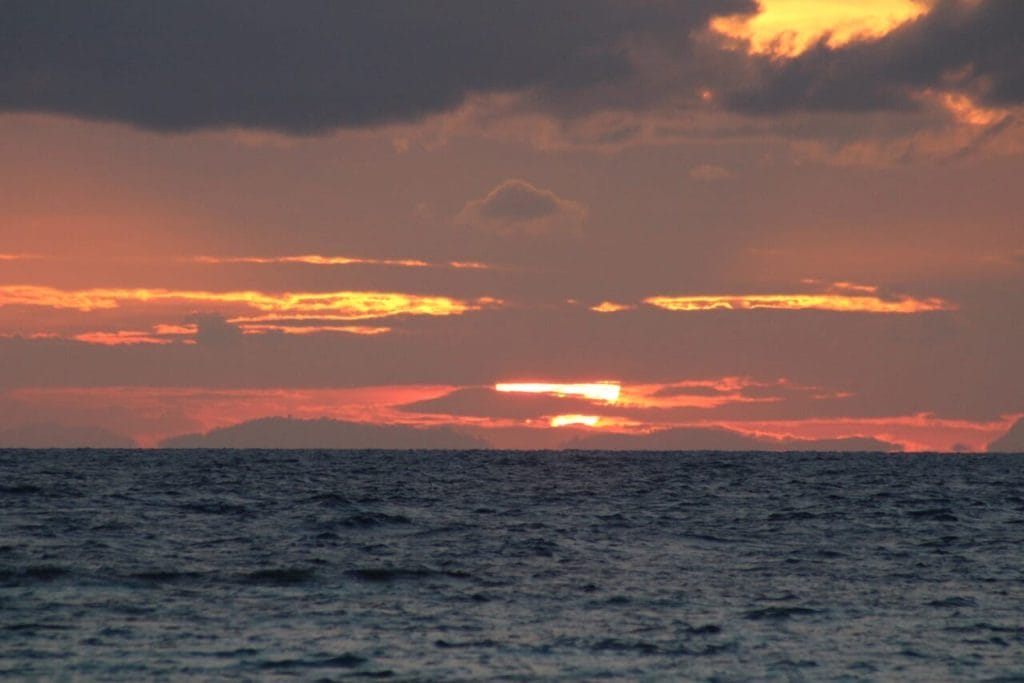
843 303
786 28
345 305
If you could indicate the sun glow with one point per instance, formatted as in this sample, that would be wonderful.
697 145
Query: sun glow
575 420
785 28
607 392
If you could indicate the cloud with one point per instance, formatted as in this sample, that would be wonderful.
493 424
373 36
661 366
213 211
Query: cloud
481 402
342 305
306 66
966 46
281 432
840 303
518 207
710 172
213 330
321 260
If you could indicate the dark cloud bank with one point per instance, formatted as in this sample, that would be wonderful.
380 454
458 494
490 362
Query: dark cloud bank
310 66
306 66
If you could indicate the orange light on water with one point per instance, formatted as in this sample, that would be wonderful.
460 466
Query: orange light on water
596 391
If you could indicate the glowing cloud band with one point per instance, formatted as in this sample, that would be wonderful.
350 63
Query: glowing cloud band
785 28
574 420
801 302
340 305
597 391
319 260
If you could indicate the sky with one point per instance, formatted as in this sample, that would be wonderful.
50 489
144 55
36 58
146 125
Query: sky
786 223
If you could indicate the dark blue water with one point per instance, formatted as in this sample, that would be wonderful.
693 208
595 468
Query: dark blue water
143 565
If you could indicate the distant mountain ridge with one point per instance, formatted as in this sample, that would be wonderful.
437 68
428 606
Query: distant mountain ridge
721 439
286 432
1010 442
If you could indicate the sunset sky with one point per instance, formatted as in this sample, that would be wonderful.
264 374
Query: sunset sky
569 222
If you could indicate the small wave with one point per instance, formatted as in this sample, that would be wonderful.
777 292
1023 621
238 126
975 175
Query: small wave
614 645
344 661
389 574
20 490
954 601
162 576
32 627
280 576
934 514
214 508
366 520
41 572
330 500
787 515
472 643
778 613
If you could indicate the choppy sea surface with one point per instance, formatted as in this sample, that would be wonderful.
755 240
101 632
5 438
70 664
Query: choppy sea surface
307 565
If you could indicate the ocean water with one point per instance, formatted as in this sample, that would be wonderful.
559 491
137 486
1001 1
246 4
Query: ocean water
444 566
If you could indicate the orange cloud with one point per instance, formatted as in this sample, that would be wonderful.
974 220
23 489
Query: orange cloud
121 338
314 329
785 28
607 392
966 110
319 260
574 420
346 305
610 307
843 303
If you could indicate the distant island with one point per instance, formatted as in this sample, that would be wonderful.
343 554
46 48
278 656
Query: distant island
285 432
1010 442
720 439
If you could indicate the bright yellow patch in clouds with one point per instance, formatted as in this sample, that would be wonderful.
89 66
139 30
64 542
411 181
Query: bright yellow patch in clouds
785 28
842 303
340 305
610 307
596 391
574 420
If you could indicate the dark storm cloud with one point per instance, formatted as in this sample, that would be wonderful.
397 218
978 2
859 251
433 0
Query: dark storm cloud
307 66
963 45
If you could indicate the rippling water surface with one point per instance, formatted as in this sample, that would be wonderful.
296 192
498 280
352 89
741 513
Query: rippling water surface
502 565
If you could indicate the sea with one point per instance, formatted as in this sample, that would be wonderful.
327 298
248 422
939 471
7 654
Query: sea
147 565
